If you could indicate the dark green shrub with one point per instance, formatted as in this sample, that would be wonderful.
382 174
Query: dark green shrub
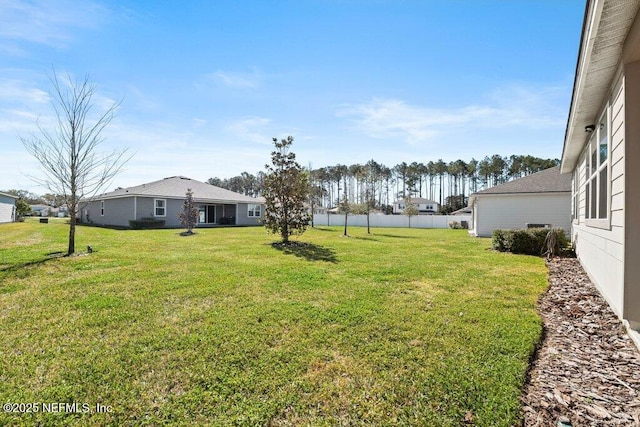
529 241
502 240
146 223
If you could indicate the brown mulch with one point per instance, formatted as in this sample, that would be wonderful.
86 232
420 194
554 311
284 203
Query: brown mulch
587 370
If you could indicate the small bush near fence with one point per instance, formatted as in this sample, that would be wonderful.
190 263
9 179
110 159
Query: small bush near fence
529 241
146 223
462 225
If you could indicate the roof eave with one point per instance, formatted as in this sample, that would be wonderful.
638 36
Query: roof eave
595 72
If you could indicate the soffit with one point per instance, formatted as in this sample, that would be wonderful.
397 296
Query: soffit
606 26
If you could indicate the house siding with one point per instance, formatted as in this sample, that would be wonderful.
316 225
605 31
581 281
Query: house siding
117 212
513 211
7 209
242 218
601 250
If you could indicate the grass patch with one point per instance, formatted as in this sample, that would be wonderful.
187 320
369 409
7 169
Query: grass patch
403 326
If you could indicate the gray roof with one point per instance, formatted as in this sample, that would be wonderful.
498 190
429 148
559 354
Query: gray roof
546 181
9 195
175 187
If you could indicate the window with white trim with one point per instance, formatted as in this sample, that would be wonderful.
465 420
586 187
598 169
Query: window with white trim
254 211
160 207
597 172
101 207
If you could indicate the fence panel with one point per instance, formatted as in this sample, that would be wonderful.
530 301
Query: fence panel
384 221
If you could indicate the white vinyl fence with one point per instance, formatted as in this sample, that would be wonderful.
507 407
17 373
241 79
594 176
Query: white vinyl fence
418 221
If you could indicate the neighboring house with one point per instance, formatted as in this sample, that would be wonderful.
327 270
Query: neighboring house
424 206
539 199
464 211
7 207
164 200
41 210
602 154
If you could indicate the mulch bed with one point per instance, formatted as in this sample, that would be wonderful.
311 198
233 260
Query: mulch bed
587 370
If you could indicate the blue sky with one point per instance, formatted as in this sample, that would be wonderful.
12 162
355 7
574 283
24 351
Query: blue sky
207 84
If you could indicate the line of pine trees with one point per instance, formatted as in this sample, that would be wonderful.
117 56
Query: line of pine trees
378 186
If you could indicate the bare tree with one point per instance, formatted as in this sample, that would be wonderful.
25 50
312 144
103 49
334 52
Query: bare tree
68 155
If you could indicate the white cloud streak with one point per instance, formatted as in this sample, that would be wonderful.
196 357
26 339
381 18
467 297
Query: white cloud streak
236 80
45 22
513 107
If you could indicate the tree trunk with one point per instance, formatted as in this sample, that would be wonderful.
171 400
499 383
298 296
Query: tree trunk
72 234
368 228
346 215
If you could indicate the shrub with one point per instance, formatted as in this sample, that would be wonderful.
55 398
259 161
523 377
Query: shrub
146 223
529 241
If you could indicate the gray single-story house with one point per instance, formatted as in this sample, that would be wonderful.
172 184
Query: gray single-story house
539 199
7 207
602 154
164 200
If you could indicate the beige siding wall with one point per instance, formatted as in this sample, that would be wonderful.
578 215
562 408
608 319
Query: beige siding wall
517 210
601 250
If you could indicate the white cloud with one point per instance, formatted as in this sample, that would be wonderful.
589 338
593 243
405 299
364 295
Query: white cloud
20 91
236 80
45 22
514 106
251 129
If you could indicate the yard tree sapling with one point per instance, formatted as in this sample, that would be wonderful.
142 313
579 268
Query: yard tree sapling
410 209
189 215
286 189
68 154
345 208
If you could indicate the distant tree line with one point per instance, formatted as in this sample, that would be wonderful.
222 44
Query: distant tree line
34 199
377 186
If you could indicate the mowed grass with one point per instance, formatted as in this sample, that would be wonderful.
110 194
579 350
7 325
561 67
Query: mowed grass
400 327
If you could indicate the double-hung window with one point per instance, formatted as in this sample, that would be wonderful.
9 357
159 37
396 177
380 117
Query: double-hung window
597 174
160 207
101 207
254 211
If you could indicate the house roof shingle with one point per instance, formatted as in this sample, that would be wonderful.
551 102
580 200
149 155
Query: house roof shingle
175 187
9 195
546 181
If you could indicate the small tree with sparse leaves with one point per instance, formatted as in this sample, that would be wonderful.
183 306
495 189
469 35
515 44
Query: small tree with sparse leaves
410 209
189 215
286 189
345 207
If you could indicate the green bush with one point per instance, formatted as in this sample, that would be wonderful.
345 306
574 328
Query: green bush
529 241
146 223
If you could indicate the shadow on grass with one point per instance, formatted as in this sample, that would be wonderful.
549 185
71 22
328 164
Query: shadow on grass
308 251
395 236
23 266
368 238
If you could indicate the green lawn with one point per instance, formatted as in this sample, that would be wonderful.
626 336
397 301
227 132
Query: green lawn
400 327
